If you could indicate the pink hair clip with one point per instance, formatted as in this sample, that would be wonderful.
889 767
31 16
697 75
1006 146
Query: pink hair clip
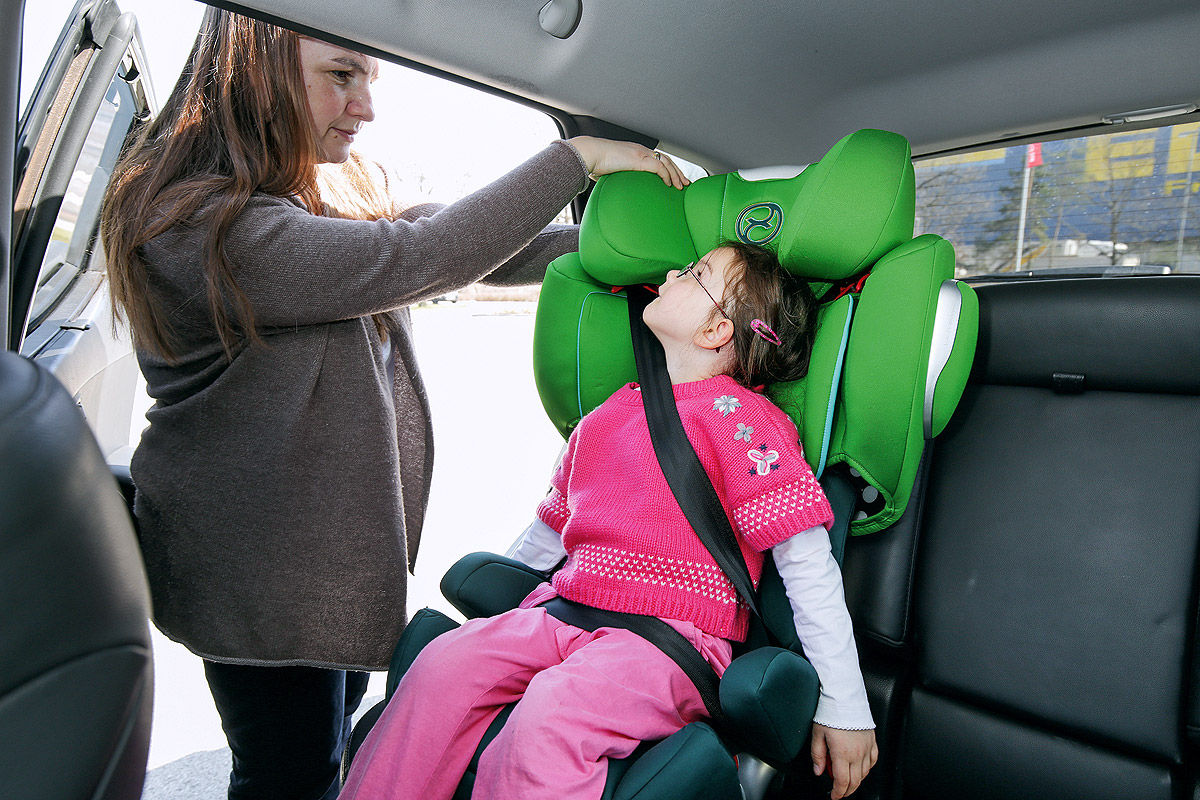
764 330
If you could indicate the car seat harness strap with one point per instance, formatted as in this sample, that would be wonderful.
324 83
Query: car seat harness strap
670 641
852 285
681 467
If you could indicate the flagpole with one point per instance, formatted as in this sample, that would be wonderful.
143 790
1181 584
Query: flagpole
1021 226
1033 158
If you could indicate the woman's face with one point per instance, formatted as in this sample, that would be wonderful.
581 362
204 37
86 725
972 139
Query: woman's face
338 83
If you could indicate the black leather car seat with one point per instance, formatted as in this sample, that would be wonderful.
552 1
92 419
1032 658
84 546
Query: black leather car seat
76 672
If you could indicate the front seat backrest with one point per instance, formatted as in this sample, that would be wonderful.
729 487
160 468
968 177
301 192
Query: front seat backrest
76 679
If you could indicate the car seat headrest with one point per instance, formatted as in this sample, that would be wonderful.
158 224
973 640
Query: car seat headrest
828 223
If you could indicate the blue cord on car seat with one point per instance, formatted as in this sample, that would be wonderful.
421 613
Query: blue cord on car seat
833 390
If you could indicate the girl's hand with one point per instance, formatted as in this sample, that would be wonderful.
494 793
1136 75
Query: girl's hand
605 156
849 756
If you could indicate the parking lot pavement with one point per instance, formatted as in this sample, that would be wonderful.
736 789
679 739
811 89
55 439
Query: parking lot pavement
494 452
203 776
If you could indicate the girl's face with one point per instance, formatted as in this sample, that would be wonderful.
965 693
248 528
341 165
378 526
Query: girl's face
686 299
338 84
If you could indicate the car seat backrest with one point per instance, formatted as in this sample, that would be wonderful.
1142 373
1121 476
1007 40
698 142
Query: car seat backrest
850 212
1054 614
75 660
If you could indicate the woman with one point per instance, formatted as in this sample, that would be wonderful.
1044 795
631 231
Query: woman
282 482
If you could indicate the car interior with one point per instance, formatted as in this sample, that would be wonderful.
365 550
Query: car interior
1022 574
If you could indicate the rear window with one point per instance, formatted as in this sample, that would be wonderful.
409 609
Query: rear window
1116 204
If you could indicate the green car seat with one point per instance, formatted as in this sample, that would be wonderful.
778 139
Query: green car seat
893 349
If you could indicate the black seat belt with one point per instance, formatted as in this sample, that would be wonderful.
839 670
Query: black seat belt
681 467
673 643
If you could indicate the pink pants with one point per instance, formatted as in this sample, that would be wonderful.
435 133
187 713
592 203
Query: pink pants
585 698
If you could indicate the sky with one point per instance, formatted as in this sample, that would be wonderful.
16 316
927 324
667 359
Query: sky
426 129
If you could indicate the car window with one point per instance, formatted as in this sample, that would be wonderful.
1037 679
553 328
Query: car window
444 140
74 239
1121 203
39 31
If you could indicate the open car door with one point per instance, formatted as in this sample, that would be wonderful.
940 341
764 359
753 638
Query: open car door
91 93
76 666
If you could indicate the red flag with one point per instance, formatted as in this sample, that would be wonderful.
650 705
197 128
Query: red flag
1033 155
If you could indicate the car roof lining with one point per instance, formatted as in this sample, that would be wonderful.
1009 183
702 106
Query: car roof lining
946 75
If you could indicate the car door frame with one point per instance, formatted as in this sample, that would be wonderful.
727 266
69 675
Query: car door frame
10 65
97 64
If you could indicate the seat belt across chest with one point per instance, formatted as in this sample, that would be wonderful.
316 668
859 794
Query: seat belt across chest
681 466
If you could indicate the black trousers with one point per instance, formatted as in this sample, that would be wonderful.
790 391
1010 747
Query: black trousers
286 726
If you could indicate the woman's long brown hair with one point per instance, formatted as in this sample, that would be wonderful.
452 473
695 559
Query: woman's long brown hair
236 123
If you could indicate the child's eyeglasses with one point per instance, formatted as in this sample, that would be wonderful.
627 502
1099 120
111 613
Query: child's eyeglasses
764 330
690 269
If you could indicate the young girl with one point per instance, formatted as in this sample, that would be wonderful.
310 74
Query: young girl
733 320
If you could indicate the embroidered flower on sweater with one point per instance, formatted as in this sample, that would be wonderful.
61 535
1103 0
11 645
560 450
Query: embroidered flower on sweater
726 404
764 460
743 432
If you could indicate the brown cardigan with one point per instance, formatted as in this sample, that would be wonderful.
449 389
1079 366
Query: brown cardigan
280 494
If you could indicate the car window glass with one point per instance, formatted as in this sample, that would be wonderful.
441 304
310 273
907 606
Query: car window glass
445 140
40 29
1121 203
74 238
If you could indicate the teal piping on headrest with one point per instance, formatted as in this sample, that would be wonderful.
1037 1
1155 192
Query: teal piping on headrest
578 355
724 202
833 390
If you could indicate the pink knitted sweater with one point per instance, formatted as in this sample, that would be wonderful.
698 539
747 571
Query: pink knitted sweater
629 546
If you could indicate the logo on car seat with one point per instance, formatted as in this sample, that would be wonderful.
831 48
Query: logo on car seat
759 223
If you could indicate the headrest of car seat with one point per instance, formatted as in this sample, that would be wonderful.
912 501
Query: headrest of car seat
828 223
76 670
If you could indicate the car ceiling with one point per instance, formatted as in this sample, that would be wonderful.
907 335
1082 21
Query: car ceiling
733 83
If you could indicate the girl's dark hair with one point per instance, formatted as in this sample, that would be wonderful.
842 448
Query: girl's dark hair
761 288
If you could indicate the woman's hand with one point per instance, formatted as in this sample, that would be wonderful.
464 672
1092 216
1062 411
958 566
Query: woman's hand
604 156
849 756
